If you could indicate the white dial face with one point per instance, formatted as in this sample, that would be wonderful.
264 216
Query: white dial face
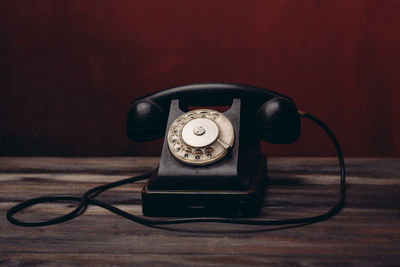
200 137
200 132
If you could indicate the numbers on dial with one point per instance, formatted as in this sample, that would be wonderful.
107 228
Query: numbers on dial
211 152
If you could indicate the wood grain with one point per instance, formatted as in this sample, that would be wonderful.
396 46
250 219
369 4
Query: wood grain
366 232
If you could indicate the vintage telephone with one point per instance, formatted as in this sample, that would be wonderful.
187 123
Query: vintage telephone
211 168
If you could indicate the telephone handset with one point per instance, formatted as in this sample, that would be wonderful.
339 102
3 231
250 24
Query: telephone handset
275 115
211 168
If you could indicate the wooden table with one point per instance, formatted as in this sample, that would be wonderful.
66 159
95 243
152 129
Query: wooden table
366 232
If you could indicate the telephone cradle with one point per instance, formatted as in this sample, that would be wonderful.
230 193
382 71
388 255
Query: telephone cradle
231 187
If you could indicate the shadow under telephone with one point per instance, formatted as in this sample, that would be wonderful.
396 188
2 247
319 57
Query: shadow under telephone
211 168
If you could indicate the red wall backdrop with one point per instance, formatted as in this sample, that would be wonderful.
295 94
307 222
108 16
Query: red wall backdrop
70 69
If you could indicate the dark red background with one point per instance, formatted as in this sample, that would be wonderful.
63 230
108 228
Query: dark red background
70 69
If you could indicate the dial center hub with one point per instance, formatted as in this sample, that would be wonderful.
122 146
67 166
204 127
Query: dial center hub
199 130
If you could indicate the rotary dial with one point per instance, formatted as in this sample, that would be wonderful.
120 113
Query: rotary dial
200 137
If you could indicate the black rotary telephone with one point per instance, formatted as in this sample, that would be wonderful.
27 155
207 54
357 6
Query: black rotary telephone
211 168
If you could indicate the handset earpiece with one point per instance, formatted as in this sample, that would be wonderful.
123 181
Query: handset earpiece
146 121
278 121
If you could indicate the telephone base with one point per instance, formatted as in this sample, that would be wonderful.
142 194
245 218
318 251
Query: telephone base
208 203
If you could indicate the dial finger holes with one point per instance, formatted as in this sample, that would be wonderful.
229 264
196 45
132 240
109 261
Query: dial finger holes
198 152
193 137
177 148
209 149
190 115
203 113
174 139
214 115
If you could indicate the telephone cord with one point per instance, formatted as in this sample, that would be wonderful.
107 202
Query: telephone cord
89 197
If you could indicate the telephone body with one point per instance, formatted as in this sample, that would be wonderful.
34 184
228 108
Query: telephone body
210 164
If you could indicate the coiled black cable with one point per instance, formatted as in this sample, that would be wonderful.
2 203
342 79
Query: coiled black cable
90 198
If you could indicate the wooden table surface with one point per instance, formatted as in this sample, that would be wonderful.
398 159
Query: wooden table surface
366 232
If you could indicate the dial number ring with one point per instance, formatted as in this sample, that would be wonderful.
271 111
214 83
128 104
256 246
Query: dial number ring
200 137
